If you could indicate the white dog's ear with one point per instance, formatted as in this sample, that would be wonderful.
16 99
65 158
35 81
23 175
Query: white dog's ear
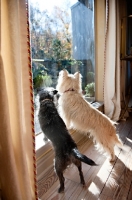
65 72
77 75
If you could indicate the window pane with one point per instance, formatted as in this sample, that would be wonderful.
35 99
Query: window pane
62 36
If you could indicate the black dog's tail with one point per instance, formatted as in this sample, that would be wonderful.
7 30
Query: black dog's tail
82 157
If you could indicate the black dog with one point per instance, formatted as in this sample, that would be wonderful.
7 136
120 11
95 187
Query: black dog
54 128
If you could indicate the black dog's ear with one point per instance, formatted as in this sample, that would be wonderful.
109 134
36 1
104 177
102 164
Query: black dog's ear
55 92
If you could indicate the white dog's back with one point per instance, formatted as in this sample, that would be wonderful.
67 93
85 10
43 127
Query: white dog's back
81 115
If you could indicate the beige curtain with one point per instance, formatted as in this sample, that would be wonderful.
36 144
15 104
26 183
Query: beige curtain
17 157
112 61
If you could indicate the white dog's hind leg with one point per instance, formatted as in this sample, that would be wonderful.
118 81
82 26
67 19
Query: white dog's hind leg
110 151
112 159
68 123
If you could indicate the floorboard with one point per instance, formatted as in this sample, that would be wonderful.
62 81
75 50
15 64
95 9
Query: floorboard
107 181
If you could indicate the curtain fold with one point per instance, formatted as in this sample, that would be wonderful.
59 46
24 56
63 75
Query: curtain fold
17 157
112 107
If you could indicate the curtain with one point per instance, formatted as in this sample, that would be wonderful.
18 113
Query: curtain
112 107
123 16
17 154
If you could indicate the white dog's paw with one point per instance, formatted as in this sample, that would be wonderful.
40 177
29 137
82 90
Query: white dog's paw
112 159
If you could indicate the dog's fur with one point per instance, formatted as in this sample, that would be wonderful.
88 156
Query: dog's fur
54 128
78 114
56 97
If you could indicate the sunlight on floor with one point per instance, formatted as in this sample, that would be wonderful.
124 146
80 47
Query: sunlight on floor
94 189
39 141
129 140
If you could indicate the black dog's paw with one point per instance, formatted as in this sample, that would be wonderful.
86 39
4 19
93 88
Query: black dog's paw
45 138
83 183
61 190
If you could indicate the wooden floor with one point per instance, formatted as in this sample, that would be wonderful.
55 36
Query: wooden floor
104 182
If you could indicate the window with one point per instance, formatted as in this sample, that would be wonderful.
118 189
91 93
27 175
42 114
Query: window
62 36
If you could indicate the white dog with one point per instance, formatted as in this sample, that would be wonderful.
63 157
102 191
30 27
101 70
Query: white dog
78 114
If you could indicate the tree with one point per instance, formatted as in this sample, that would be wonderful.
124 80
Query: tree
51 40
48 31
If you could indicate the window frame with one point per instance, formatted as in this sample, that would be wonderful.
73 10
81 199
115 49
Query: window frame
43 152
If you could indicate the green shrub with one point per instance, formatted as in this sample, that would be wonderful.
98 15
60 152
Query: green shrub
90 89
90 77
42 80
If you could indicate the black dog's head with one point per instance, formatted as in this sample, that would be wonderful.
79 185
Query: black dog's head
47 93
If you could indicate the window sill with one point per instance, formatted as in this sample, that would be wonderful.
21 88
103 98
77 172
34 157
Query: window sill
99 105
